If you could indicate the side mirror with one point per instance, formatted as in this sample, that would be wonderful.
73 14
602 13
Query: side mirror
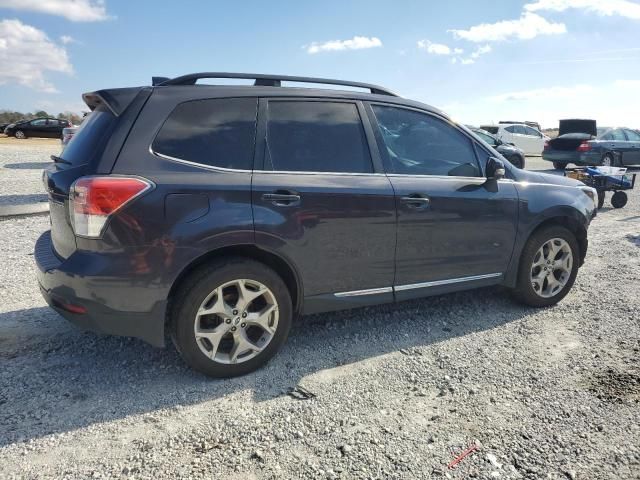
495 168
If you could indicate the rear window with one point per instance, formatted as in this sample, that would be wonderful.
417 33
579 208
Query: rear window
215 132
90 137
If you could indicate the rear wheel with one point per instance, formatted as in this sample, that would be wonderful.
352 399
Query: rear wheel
231 317
619 199
548 267
608 160
559 165
20 135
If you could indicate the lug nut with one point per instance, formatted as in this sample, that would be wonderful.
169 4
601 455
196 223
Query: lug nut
243 325
233 329
228 320
235 312
244 315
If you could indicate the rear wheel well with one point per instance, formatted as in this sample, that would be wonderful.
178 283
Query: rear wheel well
574 226
276 263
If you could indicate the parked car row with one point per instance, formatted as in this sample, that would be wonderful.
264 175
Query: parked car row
580 142
523 136
38 127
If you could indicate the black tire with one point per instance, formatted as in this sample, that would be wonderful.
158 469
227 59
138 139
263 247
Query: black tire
619 199
559 165
199 286
524 291
601 198
517 161
19 134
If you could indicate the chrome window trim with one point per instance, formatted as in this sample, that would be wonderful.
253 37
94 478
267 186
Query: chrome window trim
294 172
449 281
196 164
370 291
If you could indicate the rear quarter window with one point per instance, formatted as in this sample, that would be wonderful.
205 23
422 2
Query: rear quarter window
214 132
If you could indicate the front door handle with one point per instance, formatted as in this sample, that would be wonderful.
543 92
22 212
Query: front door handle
288 199
417 201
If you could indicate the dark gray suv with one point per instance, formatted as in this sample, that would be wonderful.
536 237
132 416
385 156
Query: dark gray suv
214 214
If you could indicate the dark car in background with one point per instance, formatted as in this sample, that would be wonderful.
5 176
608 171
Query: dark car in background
580 142
38 127
507 150
215 214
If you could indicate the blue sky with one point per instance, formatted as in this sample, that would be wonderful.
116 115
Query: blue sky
480 61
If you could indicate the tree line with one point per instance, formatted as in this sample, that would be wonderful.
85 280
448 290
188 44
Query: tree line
7 116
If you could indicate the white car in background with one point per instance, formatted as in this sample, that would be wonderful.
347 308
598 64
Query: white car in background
526 138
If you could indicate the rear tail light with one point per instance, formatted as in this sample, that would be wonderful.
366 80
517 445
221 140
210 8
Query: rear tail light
93 200
584 147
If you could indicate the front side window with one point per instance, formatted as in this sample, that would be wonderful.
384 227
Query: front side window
487 138
618 135
304 136
216 132
39 123
420 144
511 129
532 132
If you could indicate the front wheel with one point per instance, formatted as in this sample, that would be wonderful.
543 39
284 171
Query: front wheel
20 135
548 267
231 317
559 165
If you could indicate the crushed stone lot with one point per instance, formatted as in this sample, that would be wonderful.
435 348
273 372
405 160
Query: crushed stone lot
400 390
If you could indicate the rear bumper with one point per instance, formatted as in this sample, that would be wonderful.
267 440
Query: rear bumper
86 294
578 158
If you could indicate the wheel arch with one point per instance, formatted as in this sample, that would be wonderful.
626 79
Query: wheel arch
563 220
274 261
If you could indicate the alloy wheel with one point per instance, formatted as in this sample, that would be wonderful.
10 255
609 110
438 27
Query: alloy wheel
551 267
20 134
236 321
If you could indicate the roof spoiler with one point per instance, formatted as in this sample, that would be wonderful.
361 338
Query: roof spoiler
115 99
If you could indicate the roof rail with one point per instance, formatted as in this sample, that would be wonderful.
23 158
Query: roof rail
271 81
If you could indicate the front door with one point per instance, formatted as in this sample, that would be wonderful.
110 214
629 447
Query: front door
319 202
455 228
632 154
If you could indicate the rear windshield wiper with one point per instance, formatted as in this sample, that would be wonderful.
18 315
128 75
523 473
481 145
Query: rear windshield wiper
60 160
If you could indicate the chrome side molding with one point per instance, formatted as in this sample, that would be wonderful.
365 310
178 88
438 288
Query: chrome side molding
400 288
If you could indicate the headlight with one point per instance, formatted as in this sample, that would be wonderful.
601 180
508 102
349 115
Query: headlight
592 193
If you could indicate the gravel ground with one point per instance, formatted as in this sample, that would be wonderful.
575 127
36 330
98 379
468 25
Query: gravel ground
400 390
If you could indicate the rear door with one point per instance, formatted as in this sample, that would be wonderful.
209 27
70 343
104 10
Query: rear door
632 153
37 128
455 228
320 202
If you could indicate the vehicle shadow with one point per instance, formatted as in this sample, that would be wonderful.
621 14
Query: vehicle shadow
63 379
23 199
28 165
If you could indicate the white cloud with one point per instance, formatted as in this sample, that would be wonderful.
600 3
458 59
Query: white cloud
74 10
356 43
484 49
550 104
26 53
608 8
66 39
438 48
528 26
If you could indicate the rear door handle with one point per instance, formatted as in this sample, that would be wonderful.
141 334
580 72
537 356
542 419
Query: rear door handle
416 201
289 199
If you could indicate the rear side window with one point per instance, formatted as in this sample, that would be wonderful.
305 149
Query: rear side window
90 137
307 136
215 132
632 136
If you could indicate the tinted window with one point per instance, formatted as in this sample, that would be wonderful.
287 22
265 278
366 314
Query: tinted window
511 129
90 137
40 122
532 132
420 144
632 136
316 137
487 138
215 132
